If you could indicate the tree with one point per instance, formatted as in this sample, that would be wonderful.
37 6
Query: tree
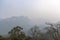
29 38
35 33
53 31
16 33
1 38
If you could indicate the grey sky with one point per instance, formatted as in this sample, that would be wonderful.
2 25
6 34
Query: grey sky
10 8
48 9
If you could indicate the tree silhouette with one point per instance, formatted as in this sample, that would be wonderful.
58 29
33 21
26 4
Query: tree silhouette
53 31
35 33
16 33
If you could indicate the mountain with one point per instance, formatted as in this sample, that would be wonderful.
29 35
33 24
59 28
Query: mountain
1 19
7 24
26 23
41 22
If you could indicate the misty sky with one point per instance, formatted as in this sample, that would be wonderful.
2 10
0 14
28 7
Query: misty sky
47 9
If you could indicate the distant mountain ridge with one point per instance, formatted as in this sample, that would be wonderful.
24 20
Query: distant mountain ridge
1 19
7 24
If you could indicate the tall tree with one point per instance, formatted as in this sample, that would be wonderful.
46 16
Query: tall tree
53 31
16 33
35 33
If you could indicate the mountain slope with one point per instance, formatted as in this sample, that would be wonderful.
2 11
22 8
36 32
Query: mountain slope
7 24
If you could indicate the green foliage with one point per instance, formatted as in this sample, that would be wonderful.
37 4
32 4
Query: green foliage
35 33
29 38
52 33
16 33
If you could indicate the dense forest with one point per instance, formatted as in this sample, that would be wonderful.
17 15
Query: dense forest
51 32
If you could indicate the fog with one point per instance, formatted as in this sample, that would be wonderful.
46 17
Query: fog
46 9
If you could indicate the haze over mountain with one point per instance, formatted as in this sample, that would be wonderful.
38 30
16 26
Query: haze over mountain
7 24
1 19
25 22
